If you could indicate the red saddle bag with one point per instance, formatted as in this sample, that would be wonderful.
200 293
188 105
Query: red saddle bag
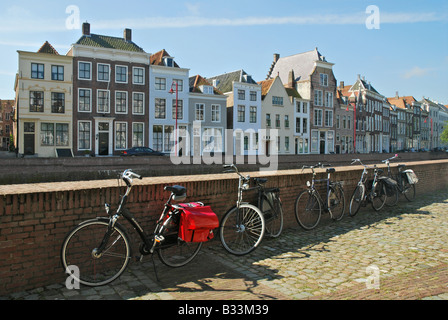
197 222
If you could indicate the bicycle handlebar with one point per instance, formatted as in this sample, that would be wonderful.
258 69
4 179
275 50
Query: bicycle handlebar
128 174
387 160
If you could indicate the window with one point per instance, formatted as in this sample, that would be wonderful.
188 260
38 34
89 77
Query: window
328 118
268 120
84 100
253 96
121 74
180 109
138 103
138 76
120 135
83 135
207 89
103 72
121 102
287 144
168 142
324 80
157 138
61 134
318 117
36 101
160 84
277 101
47 134
199 112
329 99
318 97
57 102
277 121
168 61
253 114
103 101
298 122
241 95
216 113
84 70
37 71
241 113
305 107
286 121
57 73
160 108
138 134
305 125
180 85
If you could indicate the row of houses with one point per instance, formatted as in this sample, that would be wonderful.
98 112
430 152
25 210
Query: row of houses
107 95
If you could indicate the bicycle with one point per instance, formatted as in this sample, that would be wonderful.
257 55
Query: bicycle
309 203
101 247
242 228
403 185
270 204
373 191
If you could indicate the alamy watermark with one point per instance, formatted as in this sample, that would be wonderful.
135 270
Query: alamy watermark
373 20
72 281
73 21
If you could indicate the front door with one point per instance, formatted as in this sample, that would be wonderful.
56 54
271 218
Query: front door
103 141
322 143
28 138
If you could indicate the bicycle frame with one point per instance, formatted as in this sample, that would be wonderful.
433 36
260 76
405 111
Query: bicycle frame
313 189
363 179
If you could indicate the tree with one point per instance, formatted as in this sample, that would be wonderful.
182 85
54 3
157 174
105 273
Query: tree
444 135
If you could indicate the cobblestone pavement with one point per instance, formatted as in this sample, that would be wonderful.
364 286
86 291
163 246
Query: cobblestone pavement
392 254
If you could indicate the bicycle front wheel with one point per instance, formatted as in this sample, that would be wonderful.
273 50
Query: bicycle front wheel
79 250
337 202
242 229
356 200
308 210
409 191
379 196
273 215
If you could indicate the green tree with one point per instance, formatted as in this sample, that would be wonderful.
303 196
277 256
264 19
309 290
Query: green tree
444 135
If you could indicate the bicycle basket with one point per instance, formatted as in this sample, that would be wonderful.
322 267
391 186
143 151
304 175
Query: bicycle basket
197 222
411 176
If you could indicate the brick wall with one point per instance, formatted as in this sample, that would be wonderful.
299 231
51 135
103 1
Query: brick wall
35 218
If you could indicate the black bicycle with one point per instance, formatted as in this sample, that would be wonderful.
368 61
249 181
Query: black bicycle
310 204
101 248
368 191
402 186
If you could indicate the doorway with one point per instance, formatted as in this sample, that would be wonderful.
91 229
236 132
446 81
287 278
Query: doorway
103 143
322 143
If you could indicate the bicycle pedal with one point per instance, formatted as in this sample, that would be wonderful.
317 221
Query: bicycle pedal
139 258
159 238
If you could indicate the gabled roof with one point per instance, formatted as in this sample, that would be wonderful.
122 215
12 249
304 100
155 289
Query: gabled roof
156 59
47 48
100 41
267 84
197 81
302 64
398 102
225 81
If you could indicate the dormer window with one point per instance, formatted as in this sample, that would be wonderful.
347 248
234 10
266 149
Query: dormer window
207 89
168 61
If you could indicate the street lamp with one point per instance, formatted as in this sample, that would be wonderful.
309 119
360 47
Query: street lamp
177 98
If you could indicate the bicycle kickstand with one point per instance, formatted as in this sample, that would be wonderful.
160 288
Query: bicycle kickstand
155 268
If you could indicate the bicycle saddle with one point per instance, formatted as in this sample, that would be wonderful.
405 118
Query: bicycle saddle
401 166
177 190
260 180
331 170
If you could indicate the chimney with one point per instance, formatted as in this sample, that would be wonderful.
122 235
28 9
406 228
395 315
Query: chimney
396 95
291 80
86 29
127 35
276 57
341 85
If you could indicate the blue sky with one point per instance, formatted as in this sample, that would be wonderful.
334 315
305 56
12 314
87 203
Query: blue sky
408 53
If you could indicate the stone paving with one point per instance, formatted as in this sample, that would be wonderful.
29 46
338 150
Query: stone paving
399 253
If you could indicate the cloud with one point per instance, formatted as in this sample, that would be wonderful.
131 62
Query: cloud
416 72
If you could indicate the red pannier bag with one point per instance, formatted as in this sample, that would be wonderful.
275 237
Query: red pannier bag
197 222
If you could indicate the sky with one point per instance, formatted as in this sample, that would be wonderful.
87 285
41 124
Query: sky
399 46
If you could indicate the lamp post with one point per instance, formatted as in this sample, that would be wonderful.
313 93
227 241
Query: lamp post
177 98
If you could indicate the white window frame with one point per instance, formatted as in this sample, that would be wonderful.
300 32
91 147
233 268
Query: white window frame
97 101
132 141
143 76
115 135
216 113
199 108
318 98
98 71
90 102
90 73
318 123
127 102
127 75
133 100
90 135
323 79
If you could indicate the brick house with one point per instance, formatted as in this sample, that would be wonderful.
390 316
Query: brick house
6 123
110 94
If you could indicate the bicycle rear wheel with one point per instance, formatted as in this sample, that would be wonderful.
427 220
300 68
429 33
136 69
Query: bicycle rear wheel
273 215
379 196
356 200
409 190
337 202
308 210
242 229
96 269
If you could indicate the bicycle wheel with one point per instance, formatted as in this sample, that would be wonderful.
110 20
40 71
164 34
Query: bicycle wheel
175 252
409 190
337 202
273 215
308 210
356 199
379 196
78 249
241 230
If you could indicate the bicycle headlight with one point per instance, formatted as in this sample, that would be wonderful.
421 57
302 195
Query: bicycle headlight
308 184
245 186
